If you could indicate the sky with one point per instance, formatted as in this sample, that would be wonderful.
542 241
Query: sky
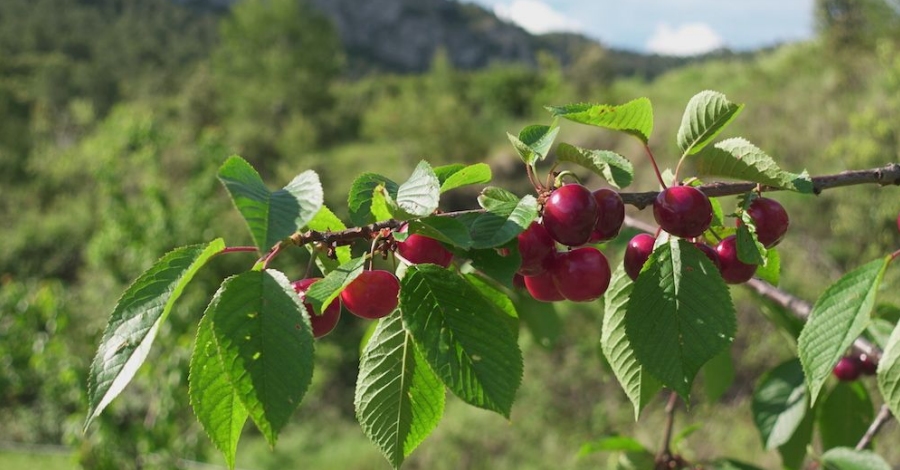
670 27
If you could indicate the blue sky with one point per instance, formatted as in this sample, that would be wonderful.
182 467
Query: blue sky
674 27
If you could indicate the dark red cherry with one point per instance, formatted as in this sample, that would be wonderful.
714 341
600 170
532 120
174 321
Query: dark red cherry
867 364
734 271
611 214
847 369
637 253
581 275
518 281
324 323
570 214
683 211
536 248
710 253
374 294
542 288
771 220
419 249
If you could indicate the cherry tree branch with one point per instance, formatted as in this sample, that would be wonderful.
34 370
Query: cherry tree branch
884 415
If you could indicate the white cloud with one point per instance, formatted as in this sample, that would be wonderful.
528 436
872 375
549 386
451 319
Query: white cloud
683 40
536 17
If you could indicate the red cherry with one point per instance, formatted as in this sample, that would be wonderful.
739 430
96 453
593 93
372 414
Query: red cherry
710 253
847 369
683 211
637 253
570 214
324 323
771 220
518 281
581 275
867 364
611 212
419 249
542 288
372 295
733 270
536 248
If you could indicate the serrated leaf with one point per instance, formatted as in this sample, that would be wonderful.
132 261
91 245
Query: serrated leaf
399 401
680 314
750 250
325 290
500 300
889 372
739 159
479 173
793 452
215 402
770 271
136 319
541 319
462 336
271 216
266 344
326 221
780 403
845 415
718 375
493 198
614 168
639 386
533 142
845 458
444 229
418 196
506 216
499 267
706 115
360 200
634 117
839 316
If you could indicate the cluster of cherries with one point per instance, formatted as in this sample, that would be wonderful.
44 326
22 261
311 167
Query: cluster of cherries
686 212
374 293
849 368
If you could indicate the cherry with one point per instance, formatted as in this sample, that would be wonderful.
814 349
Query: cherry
518 281
733 270
771 220
419 249
710 253
372 295
683 211
611 212
324 323
847 369
867 364
581 275
536 248
637 253
570 214
542 288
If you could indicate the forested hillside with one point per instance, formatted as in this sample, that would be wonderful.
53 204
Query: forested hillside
116 114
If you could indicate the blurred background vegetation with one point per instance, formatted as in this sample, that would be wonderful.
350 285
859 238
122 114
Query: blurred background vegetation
115 114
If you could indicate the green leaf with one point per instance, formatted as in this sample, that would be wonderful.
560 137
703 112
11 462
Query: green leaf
845 415
739 159
836 320
325 290
418 196
362 194
889 372
506 216
215 402
707 114
750 250
780 403
136 319
266 344
614 168
793 452
680 314
770 271
844 458
533 142
443 229
718 375
634 117
501 301
499 267
271 216
541 319
399 401
458 175
326 221
463 337
639 386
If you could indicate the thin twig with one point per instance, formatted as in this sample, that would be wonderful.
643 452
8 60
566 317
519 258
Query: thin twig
665 452
884 415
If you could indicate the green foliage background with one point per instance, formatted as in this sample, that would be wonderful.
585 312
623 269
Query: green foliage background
110 140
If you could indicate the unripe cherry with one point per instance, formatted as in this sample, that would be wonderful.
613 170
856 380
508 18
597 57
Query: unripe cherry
570 214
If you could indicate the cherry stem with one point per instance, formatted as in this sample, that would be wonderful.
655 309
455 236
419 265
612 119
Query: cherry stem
884 415
656 167
894 255
666 452
529 170
271 255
